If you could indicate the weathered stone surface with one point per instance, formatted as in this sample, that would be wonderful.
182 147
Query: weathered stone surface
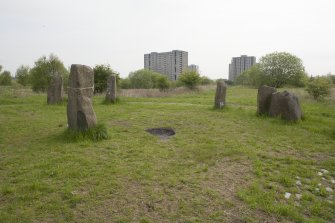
111 89
286 105
264 99
80 113
220 95
55 90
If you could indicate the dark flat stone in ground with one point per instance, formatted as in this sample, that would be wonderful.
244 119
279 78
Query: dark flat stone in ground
163 133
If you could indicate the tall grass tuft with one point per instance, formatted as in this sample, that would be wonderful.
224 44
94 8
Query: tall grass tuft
108 102
96 133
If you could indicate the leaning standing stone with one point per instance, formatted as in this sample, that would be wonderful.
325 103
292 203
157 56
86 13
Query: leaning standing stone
220 95
286 105
80 113
55 90
264 99
111 89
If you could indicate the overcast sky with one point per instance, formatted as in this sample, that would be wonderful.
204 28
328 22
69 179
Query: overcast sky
120 32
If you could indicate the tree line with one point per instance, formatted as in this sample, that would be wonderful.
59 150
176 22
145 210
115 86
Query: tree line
44 68
276 69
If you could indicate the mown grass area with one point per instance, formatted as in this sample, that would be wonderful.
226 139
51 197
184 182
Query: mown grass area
221 166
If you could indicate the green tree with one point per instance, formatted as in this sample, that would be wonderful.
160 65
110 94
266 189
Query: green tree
144 79
279 68
189 79
319 87
22 75
5 78
101 74
41 73
163 83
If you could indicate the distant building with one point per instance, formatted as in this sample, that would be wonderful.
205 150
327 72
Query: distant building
193 67
240 64
171 64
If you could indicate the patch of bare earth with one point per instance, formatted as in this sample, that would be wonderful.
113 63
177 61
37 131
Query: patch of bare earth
209 196
227 178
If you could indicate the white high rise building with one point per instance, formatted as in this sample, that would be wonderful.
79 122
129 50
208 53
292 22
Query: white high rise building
171 64
239 65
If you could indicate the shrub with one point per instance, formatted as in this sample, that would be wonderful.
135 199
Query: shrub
319 87
206 81
125 83
189 79
228 82
144 79
163 83
252 77
22 75
5 78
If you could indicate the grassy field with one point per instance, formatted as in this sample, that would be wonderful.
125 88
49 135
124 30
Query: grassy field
221 166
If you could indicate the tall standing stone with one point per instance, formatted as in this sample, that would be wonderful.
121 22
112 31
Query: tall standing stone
55 89
220 95
285 105
264 99
80 113
111 89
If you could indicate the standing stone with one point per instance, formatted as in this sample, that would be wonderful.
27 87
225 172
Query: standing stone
55 90
111 89
264 99
286 105
80 113
220 95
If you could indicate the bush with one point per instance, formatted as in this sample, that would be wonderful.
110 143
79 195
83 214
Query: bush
41 73
5 78
252 77
319 87
243 79
228 82
163 83
189 79
101 74
22 75
144 79
206 81
125 83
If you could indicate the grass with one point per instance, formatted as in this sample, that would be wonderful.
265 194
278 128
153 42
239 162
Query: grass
96 133
221 166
